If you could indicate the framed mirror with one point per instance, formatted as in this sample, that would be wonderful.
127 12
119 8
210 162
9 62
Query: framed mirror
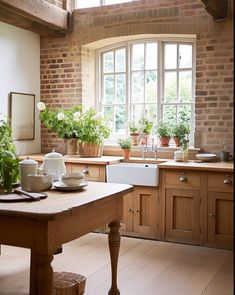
22 114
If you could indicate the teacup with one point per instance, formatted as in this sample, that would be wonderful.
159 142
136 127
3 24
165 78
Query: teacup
72 179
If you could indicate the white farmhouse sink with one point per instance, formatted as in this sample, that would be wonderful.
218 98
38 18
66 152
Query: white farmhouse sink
133 173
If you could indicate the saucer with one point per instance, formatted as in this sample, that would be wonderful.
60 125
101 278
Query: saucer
63 187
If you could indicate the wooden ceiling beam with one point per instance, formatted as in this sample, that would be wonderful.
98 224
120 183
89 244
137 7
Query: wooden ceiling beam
219 9
36 15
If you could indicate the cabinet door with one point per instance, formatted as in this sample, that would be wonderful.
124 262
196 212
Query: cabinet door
220 219
183 216
128 212
146 212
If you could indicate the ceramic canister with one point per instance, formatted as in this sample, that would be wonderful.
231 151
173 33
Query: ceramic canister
27 166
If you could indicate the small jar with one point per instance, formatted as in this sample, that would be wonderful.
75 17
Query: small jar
27 166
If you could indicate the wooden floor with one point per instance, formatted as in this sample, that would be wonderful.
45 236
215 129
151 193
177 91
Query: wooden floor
145 267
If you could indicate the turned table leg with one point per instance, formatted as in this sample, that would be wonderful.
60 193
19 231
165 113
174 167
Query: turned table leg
114 245
44 274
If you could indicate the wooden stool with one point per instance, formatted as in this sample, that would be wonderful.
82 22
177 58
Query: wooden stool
67 283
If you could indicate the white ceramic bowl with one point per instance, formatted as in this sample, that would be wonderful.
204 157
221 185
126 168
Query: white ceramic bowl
206 157
72 179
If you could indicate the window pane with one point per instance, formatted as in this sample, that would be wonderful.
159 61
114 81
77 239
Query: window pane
170 56
170 87
185 86
137 111
185 56
138 57
151 86
108 113
87 3
108 62
120 60
121 88
151 56
169 114
108 89
184 114
137 87
108 2
120 120
152 112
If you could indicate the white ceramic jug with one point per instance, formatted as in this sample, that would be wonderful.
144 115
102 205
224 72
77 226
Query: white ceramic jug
54 165
27 166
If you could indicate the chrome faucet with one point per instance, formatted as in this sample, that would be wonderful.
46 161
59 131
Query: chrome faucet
148 150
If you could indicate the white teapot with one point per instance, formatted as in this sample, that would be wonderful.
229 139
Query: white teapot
54 164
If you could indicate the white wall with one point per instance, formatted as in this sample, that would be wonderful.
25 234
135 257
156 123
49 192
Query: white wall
20 72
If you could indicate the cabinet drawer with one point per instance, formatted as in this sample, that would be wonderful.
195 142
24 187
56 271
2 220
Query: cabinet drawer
183 178
221 180
92 172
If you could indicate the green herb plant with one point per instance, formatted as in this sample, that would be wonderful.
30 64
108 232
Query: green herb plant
126 143
146 125
133 127
9 162
180 129
163 129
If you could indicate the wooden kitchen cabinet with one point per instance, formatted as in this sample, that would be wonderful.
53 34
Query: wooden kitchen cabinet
183 216
220 210
91 172
182 206
141 213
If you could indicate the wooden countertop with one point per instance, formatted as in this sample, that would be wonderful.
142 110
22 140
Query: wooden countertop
163 163
207 166
104 160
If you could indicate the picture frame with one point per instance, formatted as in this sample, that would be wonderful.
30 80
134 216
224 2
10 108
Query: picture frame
22 115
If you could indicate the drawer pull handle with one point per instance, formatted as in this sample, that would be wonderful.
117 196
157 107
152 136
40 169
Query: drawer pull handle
85 170
130 210
227 181
212 215
137 210
183 178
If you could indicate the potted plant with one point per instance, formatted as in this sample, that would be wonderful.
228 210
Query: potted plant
62 122
134 131
126 146
164 133
146 127
88 129
93 129
179 131
9 162
184 148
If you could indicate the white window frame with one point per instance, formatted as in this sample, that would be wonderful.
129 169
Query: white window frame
102 3
160 71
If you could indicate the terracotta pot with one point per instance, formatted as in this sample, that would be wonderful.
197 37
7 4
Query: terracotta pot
164 141
126 153
135 137
144 138
177 141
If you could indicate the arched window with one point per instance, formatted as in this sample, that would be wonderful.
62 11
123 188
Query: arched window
153 78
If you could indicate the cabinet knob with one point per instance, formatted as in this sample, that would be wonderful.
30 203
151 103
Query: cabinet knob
212 215
130 210
227 180
183 178
85 170
137 210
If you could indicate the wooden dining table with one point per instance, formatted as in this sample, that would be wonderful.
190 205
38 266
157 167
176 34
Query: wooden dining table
44 226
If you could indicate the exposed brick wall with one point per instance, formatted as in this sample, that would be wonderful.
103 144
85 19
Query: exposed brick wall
65 80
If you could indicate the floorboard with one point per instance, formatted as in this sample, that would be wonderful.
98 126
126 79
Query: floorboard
145 267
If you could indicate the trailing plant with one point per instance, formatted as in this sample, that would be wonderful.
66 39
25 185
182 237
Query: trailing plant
180 130
126 143
9 162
